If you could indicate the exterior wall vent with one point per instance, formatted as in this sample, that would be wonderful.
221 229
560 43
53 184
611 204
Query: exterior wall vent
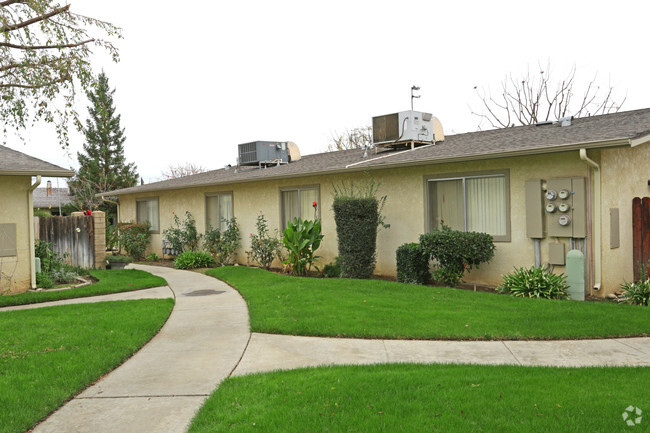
267 152
406 127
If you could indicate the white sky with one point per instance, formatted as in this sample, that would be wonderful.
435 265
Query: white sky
196 79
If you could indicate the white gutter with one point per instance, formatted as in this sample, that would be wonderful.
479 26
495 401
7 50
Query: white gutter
596 212
30 219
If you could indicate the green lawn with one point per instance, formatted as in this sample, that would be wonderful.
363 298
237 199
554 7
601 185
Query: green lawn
280 304
429 398
47 355
110 281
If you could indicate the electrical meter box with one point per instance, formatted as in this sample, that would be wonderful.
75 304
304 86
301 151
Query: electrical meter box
565 206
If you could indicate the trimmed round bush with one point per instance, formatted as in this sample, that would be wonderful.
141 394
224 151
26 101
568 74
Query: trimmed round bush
412 264
456 252
535 282
193 260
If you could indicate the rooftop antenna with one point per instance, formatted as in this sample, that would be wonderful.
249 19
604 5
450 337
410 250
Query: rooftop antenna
413 89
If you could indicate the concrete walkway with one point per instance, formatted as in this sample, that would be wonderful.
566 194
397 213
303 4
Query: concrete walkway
162 386
207 338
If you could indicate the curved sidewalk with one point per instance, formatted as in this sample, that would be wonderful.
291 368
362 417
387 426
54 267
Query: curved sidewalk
162 386
207 338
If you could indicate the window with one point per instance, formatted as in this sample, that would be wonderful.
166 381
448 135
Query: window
476 203
147 210
299 203
218 209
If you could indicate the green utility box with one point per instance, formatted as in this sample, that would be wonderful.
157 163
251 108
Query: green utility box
575 274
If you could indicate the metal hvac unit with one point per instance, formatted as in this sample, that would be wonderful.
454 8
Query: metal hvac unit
263 152
405 127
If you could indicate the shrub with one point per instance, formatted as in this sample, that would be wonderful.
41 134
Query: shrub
50 260
193 259
412 264
118 259
535 282
183 236
134 238
112 237
153 257
637 293
301 239
223 246
64 276
358 216
456 252
332 269
40 213
263 245
44 281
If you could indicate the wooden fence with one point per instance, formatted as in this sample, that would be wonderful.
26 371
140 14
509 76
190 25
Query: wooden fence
641 235
79 238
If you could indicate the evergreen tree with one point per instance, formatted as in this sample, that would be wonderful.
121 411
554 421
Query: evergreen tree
102 166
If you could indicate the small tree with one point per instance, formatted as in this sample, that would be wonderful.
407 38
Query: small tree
102 165
528 99
356 138
358 217
174 171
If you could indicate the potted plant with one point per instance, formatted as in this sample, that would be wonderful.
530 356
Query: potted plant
118 262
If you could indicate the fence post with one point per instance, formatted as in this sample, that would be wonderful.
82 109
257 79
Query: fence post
99 222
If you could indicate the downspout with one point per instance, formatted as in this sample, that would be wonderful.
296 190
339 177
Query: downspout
596 220
30 218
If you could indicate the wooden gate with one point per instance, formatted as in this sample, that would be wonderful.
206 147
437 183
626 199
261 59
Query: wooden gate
641 236
72 236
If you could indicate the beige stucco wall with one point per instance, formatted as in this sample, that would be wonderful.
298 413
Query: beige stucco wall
624 175
405 210
14 208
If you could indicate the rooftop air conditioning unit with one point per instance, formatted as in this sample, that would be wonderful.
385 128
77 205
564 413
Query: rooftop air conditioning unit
406 126
268 152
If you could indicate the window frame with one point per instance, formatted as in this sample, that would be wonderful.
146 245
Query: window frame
217 194
147 199
299 188
505 173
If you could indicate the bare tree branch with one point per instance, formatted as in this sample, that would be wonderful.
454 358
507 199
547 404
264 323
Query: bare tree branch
528 100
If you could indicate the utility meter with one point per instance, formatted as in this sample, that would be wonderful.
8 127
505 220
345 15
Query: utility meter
564 194
550 208
564 220
563 207
551 195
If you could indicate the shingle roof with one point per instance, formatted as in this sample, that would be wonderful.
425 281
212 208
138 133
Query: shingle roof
14 163
591 132
59 196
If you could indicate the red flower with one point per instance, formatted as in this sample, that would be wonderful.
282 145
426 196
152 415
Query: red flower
314 204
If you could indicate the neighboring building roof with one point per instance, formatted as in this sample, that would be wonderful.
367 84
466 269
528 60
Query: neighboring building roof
610 130
59 196
14 163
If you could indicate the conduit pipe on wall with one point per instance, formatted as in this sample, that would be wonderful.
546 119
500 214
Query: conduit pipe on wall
30 218
596 219
538 253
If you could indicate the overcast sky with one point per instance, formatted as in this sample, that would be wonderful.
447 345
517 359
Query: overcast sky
196 79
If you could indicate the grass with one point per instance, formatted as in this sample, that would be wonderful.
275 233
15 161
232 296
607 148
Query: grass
280 304
47 355
110 281
432 398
